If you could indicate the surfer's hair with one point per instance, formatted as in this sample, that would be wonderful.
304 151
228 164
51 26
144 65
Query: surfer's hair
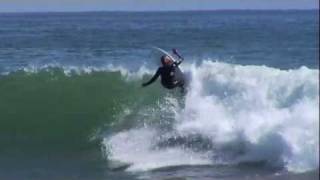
162 59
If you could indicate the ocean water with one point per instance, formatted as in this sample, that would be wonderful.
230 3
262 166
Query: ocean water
72 105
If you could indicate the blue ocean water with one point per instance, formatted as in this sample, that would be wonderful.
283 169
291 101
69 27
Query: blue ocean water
72 106
282 39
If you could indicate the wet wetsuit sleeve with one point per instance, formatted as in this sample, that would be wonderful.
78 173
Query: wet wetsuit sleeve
155 77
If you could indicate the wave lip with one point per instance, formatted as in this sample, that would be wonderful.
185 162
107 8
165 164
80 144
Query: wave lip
70 70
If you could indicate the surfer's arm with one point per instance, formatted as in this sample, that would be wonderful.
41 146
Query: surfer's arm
155 77
177 63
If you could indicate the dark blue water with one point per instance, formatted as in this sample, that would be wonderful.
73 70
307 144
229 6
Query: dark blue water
52 125
282 39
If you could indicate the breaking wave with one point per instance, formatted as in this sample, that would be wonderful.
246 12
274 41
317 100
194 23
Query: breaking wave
232 114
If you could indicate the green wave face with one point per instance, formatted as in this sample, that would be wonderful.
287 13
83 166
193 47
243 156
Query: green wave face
50 110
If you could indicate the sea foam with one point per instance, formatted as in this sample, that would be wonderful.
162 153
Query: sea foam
243 113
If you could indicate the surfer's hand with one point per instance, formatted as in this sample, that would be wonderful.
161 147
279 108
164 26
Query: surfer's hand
174 51
144 84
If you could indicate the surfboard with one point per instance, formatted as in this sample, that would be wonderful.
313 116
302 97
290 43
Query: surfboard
165 53
115 165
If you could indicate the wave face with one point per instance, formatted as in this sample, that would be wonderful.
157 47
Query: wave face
54 108
231 115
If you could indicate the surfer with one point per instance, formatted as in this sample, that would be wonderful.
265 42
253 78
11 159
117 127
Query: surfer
171 75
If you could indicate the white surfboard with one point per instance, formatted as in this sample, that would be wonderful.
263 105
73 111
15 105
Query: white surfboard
115 165
165 52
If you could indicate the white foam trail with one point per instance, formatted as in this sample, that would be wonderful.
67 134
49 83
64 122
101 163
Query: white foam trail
273 112
136 147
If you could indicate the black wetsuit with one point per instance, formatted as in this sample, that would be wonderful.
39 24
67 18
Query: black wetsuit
171 76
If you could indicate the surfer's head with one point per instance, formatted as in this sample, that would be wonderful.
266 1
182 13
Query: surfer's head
166 60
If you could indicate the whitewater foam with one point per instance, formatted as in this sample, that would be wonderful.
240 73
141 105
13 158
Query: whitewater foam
136 147
246 113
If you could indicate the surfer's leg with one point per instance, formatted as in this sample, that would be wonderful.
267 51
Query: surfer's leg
182 88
